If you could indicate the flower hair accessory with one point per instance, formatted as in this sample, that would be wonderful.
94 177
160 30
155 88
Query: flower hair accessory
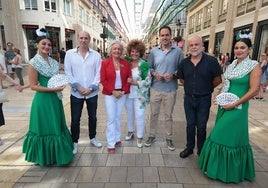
42 33
244 34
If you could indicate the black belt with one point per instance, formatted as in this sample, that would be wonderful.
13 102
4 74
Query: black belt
197 96
118 90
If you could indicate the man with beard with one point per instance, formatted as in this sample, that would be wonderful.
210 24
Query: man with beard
200 73
163 60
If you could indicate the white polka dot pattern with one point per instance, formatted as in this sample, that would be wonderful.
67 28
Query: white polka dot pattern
226 98
57 80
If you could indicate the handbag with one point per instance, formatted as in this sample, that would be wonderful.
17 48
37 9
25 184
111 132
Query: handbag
3 97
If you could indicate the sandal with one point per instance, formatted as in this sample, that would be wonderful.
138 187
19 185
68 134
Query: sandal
130 136
139 143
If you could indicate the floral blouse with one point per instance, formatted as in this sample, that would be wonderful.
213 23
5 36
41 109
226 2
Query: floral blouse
142 91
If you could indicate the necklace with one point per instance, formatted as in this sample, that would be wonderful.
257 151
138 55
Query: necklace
116 65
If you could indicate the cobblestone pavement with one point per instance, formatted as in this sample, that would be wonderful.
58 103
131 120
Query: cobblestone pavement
129 167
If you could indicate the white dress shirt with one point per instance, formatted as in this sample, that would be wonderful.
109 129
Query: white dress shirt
83 72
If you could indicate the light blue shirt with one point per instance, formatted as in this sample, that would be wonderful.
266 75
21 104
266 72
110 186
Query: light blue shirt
83 72
165 63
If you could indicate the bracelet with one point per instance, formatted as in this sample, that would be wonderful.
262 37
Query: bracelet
235 106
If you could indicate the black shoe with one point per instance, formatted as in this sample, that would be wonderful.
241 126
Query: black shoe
186 152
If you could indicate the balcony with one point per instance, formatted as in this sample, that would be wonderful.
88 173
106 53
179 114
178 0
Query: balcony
191 30
251 6
207 24
198 27
241 9
264 3
222 17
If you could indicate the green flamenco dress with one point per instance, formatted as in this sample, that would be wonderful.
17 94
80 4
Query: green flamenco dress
227 154
48 140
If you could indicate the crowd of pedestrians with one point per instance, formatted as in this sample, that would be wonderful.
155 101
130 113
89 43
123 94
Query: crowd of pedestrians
131 81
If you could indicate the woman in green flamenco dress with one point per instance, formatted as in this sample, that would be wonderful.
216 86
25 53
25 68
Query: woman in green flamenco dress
227 154
48 140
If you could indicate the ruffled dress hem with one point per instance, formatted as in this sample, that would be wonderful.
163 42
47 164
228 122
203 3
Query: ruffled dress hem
227 164
48 150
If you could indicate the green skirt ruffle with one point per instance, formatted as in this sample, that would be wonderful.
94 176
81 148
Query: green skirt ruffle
48 150
225 163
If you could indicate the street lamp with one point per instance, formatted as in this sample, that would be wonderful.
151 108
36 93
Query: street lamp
178 38
103 35
178 24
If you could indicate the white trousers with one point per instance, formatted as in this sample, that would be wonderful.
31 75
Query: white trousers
114 108
134 112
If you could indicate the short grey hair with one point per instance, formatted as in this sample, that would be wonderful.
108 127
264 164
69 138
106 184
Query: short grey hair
111 45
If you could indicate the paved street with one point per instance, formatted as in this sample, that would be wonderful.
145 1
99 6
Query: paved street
129 167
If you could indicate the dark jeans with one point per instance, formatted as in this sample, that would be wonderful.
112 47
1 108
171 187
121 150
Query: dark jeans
2 118
197 113
76 112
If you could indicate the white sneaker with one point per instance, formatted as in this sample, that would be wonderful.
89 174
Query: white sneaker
75 148
95 143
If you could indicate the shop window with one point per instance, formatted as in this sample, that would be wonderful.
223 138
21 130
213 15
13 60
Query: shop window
32 49
218 43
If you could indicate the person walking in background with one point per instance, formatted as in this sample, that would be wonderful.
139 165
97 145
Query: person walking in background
48 140
9 55
227 154
17 62
138 97
82 66
199 73
164 60
263 63
3 68
3 76
62 57
115 72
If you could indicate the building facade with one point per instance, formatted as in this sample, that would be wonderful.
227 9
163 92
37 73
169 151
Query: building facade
220 23
63 19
